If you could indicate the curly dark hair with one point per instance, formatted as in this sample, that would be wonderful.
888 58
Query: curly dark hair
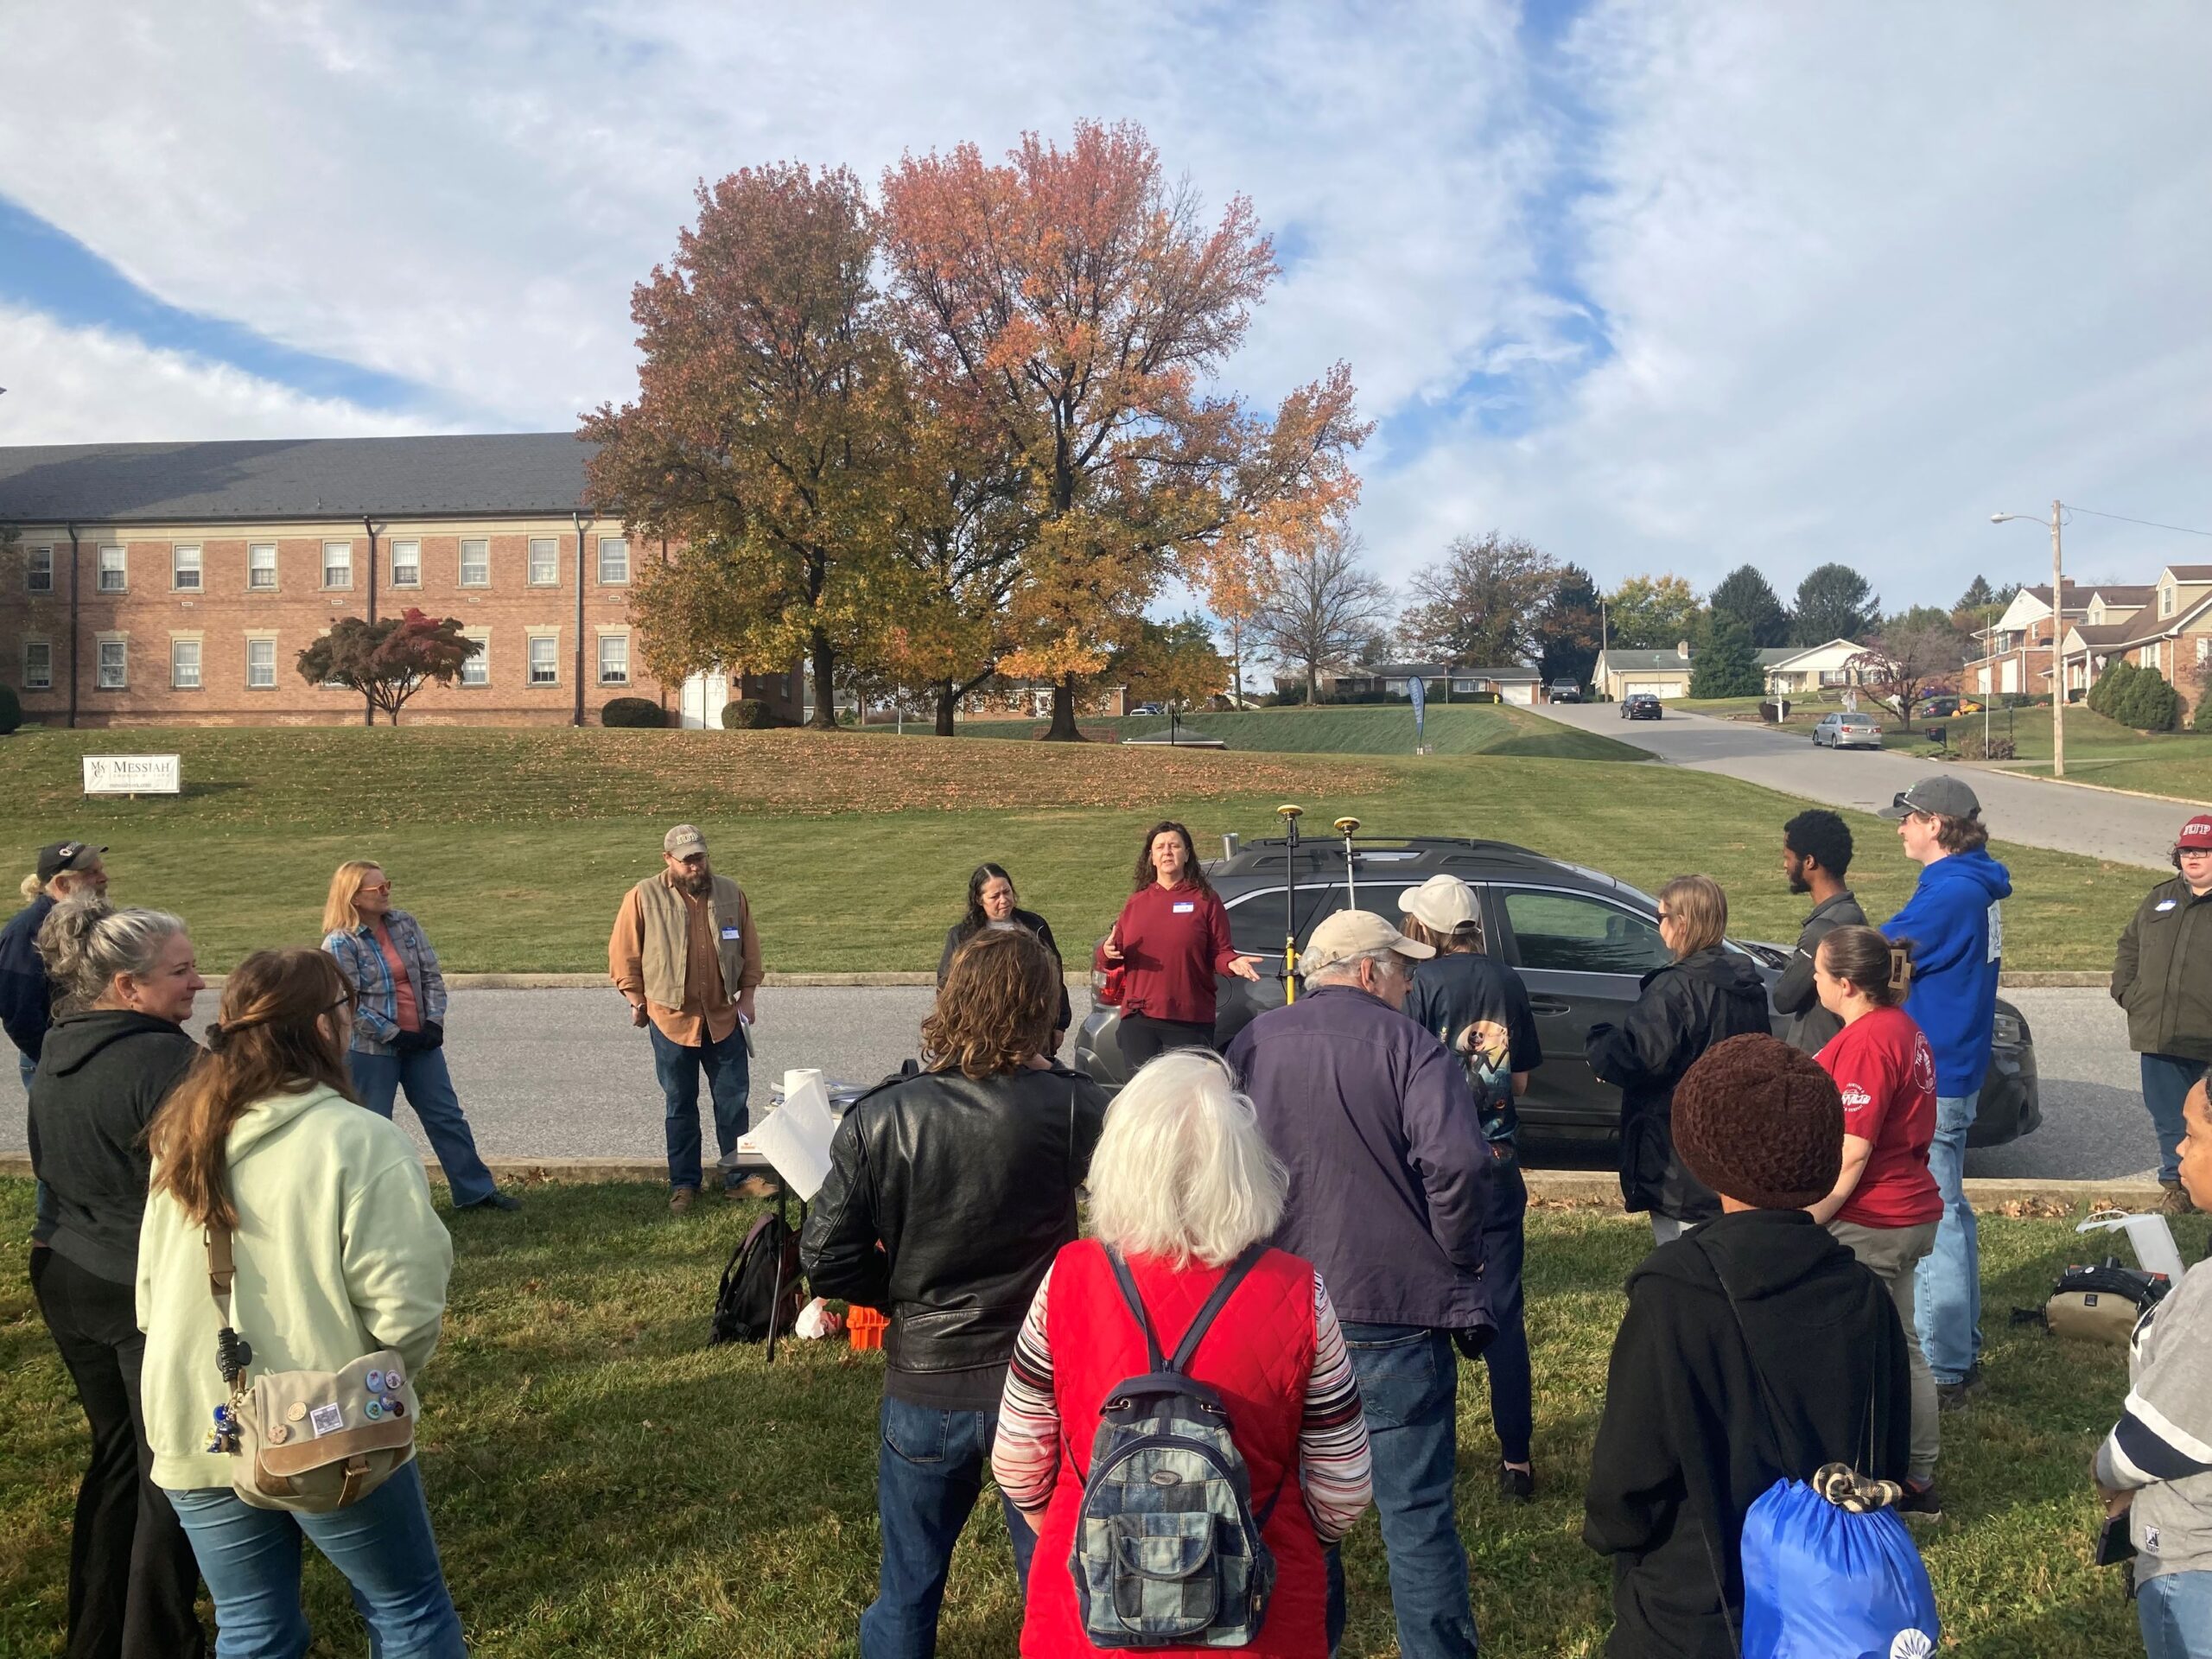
985 873
1822 836
999 1006
1192 875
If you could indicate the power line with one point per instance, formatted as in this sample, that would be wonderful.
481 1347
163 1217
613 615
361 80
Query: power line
2180 529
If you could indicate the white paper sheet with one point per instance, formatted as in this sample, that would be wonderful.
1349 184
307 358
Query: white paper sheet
796 1137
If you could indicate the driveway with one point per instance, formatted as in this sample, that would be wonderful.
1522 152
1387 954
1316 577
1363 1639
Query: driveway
558 1074
2123 829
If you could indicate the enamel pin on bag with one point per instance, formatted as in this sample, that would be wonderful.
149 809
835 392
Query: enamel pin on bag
313 1441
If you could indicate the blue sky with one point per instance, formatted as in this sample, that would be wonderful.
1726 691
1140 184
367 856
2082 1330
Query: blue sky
1662 286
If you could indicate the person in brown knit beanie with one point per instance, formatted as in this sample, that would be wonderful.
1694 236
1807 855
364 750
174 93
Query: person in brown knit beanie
1755 1348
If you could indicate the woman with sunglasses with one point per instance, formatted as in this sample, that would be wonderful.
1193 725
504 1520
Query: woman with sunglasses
399 1030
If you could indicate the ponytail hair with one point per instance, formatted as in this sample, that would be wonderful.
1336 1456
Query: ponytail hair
1877 969
271 1039
85 942
32 886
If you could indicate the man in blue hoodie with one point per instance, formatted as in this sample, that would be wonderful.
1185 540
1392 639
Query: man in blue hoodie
1957 934
26 1002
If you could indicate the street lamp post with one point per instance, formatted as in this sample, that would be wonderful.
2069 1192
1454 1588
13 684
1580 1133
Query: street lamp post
2057 634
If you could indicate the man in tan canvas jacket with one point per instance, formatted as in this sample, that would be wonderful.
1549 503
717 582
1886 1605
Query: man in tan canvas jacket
686 955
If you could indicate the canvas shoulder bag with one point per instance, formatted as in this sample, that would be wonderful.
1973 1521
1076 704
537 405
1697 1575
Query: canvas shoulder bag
308 1441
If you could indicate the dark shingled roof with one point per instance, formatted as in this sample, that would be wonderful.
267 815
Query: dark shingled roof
503 474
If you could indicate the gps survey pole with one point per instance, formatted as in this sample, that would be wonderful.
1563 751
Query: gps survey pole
1290 815
1345 827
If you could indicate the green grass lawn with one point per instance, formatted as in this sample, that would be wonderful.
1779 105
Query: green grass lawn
515 847
2101 751
602 1483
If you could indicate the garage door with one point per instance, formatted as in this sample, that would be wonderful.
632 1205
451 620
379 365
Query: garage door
1668 689
1522 692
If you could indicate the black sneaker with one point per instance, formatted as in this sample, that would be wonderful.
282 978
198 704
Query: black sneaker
1950 1396
497 1201
1920 1505
1519 1484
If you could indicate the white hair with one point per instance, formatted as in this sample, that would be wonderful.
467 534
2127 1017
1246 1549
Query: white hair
1181 1169
1347 968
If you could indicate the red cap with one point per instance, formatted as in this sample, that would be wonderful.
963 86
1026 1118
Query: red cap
2196 835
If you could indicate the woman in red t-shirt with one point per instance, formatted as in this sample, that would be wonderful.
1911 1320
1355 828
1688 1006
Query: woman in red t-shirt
1885 1204
1170 940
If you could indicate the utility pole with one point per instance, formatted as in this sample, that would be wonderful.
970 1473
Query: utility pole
2058 648
1601 642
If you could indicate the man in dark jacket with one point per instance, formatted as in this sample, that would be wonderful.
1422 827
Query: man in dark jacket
1708 993
1754 1350
1815 854
948 1195
26 998
1391 1187
2163 976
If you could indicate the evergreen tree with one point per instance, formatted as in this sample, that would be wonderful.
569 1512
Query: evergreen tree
1729 664
1744 594
1977 594
1834 602
1566 629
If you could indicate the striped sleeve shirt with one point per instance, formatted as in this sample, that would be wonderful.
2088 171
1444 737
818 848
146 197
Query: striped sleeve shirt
1335 1468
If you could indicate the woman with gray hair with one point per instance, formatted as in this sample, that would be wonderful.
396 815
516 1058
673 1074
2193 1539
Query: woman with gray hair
124 981
1184 1196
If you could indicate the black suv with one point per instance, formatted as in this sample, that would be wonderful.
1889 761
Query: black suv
1566 691
1580 940
1640 705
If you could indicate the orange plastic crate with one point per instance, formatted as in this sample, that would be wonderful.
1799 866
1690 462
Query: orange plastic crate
864 1327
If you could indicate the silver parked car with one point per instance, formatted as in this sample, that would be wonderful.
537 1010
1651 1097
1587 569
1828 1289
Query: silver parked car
1848 732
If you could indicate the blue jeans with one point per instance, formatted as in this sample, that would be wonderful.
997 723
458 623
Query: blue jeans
1512 1389
378 1079
251 1559
729 1079
1408 1383
2174 1609
1947 1285
929 1473
2167 1079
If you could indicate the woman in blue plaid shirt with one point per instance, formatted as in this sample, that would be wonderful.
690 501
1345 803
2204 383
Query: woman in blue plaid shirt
399 1024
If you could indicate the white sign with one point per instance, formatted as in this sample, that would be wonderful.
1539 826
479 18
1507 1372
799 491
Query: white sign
133 774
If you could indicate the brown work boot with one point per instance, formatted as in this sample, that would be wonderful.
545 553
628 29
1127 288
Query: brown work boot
680 1200
2176 1201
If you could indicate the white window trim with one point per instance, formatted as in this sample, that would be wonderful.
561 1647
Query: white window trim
100 642
199 568
200 647
122 550
261 636
46 684
396 544
481 661
346 585
606 580
461 561
270 587
530 578
530 662
31 571
599 658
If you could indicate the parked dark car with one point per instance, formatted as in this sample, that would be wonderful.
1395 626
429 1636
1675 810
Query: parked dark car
1640 705
1940 708
1565 691
1580 939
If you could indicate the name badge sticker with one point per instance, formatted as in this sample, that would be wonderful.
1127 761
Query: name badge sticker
1186 907
731 933
2165 904
327 1420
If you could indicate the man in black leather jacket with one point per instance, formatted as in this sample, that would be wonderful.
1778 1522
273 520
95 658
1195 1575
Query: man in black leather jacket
949 1193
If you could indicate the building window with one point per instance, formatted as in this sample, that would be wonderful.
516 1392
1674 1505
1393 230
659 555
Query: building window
261 567
613 559
477 670
184 665
544 561
115 577
407 564
261 665
38 574
2205 647
545 660
114 665
2166 602
475 562
184 569
614 660
338 564
38 666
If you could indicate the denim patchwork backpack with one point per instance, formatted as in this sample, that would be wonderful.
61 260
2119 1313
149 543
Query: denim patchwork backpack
1167 1548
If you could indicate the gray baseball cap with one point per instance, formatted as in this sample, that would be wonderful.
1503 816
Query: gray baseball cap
683 841
1947 797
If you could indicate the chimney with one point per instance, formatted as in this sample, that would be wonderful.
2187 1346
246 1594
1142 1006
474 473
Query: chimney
1682 649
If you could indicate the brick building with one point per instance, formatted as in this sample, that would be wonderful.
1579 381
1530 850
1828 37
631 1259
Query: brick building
176 583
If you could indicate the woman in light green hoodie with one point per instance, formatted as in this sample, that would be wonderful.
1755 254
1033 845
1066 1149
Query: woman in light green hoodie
338 1254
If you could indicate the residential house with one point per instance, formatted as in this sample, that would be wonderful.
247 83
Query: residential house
1440 681
2016 650
1807 671
1663 673
2173 632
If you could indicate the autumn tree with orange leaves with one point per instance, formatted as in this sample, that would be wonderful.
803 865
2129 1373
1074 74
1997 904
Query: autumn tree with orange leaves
1072 303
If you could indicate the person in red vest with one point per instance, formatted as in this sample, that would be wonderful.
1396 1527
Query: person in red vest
1181 1186
1170 942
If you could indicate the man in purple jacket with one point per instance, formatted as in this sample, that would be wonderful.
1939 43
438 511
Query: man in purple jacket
1389 1184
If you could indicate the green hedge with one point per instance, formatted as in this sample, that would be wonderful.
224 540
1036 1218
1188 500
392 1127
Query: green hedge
632 712
11 710
747 715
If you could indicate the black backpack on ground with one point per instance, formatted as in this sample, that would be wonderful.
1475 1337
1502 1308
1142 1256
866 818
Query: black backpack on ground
743 1305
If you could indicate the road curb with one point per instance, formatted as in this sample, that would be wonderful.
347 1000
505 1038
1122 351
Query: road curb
2075 783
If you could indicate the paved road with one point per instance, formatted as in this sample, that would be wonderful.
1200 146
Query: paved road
558 1074
2126 829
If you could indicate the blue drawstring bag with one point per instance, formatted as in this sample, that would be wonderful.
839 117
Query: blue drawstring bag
1823 1582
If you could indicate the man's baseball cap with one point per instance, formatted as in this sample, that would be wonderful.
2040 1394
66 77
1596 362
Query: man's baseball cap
2196 835
1354 933
65 855
683 841
1946 797
1441 903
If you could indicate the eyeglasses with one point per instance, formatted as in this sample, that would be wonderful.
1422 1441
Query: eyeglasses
375 887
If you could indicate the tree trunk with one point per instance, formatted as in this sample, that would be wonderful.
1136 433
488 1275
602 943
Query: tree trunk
1313 684
825 690
946 697
1063 729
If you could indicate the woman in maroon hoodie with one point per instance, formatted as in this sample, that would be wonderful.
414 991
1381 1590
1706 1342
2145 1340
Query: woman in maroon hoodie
1170 941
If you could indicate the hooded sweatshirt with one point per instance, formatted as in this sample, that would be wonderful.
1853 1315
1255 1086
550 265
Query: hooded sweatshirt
1686 1443
26 997
1958 940
338 1254
101 1076
2161 1449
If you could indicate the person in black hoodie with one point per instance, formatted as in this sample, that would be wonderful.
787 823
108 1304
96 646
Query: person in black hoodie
125 980
1707 994
992 904
1754 1350
26 998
